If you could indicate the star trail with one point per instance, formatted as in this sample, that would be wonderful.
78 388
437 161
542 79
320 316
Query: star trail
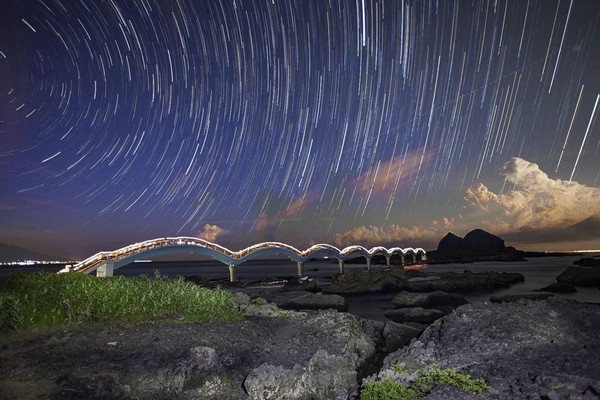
299 121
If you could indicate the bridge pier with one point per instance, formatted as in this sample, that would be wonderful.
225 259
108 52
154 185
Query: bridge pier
341 264
106 269
414 258
423 258
387 261
368 264
232 274
300 269
402 257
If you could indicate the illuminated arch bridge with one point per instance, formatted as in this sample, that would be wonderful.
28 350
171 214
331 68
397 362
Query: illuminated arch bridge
105 262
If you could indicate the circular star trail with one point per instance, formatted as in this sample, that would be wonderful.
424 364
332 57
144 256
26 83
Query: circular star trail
289 120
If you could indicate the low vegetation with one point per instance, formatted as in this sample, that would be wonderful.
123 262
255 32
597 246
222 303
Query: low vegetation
45 300
387 389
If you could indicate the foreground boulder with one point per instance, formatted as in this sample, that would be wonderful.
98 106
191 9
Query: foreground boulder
326 376
313 355
524 350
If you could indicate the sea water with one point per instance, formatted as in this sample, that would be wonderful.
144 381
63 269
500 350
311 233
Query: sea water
271 275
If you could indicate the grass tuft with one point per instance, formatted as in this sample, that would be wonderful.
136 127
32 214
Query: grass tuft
45 300
388 389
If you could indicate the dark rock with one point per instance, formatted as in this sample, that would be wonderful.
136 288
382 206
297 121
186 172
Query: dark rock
414 314
505 277
96 387
558 287
532 350
300 300
588 262
373 281
480 240
433 300
396 280
397 335
580 276
513 298
325 376
477 245
467 282
450 392
295 284
374 330
424 278
208 360
451 244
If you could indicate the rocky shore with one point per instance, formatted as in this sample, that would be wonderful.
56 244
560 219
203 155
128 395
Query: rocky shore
271 354
523 349
298 344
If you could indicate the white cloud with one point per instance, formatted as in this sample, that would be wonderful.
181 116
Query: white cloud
212 232
393 235
537 202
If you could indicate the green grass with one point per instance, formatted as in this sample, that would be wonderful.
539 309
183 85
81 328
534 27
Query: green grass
46 300
387 389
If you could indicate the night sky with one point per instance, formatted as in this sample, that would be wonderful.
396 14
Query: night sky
302 121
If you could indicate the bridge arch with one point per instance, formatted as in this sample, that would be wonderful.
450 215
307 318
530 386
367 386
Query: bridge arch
106 262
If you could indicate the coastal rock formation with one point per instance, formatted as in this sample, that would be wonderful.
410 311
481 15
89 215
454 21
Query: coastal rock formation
588 262
525 349
520 298
451 244
558 287
480 240
434 299
397 280
466 282
414 314
301 300
314 355
477 245
294 284
581 276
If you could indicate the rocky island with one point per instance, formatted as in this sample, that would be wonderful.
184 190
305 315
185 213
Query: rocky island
477 245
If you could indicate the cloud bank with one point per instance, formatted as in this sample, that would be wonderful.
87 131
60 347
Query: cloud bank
535 210
537 202
394 235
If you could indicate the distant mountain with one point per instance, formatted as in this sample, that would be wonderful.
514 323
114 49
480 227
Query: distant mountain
10 253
